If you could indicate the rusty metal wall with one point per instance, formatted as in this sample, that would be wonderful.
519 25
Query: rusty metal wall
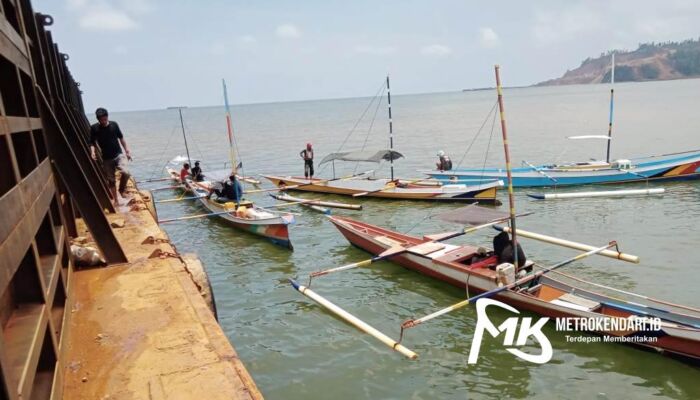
47 178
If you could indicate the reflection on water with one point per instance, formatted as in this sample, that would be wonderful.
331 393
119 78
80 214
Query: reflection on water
296 350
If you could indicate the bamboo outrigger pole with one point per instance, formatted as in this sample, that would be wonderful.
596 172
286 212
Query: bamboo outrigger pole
511 199
612 95
358 323
573 245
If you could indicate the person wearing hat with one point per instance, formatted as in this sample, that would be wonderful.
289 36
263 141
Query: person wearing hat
444 163
107 135
308 156
197 172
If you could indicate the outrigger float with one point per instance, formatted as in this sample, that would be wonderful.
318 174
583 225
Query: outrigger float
530 287
315 204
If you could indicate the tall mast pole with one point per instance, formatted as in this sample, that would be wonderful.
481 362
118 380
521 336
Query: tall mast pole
511 199
229 127
182 124
612 95
391 128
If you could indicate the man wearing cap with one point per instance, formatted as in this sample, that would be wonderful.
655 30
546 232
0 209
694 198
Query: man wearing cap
444 163
107 135
308 156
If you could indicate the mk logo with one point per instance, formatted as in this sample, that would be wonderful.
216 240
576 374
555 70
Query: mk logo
510 327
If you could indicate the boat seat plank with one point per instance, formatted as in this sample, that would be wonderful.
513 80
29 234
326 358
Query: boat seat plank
569 305
388 241
580 301
427 248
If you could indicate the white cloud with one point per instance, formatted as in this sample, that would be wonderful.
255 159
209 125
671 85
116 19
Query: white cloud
106 19
439 50
375 50
109 15
488 38
288 31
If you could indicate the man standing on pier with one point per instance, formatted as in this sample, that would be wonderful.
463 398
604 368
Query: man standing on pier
107 135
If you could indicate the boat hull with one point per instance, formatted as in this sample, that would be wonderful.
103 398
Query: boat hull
484 193
447 265
275 229
664 169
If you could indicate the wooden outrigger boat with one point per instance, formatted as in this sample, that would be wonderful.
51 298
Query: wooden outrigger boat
676 166
392 189
483 191
655 324
544 295
244 215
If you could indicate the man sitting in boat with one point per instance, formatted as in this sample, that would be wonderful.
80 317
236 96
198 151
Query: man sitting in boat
232 191
444 163
503 248
197 172
184 172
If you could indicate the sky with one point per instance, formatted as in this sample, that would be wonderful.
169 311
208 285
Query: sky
150 54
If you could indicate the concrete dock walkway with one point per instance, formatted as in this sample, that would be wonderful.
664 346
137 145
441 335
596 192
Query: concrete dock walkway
142 330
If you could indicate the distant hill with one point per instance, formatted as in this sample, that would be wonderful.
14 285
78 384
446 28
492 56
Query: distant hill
650 62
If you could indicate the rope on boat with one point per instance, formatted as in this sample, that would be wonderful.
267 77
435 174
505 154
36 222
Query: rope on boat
478 132
378 94
369 129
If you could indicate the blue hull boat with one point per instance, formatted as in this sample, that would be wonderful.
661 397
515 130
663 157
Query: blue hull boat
675 166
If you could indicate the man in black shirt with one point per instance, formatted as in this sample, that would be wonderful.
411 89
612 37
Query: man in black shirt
107 135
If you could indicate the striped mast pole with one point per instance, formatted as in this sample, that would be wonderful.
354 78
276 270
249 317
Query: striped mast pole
612 95
229 127
391 127
511 199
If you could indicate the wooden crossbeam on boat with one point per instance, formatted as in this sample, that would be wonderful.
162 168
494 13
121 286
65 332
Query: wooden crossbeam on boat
602 193
317 202
572 245
358 323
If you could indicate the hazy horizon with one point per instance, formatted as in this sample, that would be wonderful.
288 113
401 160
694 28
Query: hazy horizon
151 54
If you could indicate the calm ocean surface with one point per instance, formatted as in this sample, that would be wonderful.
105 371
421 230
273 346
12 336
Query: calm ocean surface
295 350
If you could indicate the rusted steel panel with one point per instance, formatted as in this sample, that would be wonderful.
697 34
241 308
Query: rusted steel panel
80 188
13 249
12 53
10 125
16 202
12 36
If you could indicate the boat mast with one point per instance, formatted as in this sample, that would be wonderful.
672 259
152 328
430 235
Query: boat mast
391 128
229 127
612 93
184 136
511 199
